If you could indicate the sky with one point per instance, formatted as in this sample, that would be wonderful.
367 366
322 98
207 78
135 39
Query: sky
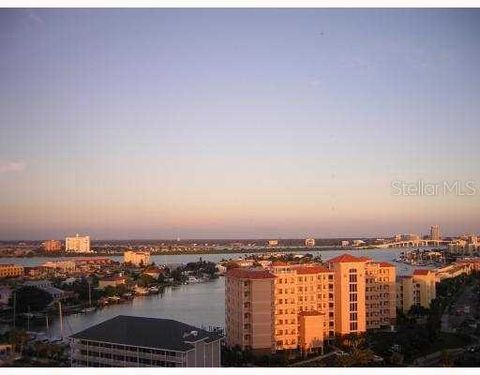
211 123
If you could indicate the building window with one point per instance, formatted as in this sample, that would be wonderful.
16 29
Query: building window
353 326
353 297
353 288
352 270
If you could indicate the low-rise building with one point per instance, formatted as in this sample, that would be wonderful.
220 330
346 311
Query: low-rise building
154 272
358 242
472 263
464 266
96 262
112 281
137 258
127 341
11 270
47 286
60 265
452 270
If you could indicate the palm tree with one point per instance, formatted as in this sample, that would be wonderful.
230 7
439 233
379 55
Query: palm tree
396 359
353 341
446 359
18 338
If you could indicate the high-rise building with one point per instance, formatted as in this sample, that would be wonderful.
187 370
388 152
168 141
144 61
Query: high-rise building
137 258
349 281
410 237
52 246
417 289
472 239
435 233
380 294
78 244
303 299
249 309
302 306
310 242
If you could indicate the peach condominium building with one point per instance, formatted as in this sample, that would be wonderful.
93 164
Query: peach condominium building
290 306
417 289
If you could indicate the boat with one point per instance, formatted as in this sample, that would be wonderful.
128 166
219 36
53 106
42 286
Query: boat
88 309
193 280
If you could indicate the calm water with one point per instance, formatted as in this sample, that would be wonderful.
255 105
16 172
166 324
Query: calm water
196 304
378 254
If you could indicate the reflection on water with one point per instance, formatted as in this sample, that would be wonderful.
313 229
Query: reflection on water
196 304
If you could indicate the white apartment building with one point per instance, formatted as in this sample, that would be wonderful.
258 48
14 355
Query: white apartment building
78 244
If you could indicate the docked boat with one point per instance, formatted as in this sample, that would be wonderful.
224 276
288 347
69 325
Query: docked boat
88 309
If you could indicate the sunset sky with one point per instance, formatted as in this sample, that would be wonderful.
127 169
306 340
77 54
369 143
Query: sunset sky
236 123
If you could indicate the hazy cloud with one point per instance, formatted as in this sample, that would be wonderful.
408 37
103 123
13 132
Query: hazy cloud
12 166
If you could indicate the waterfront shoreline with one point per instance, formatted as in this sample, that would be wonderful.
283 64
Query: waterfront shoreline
199 252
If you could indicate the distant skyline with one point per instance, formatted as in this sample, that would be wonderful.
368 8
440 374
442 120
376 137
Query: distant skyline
261 123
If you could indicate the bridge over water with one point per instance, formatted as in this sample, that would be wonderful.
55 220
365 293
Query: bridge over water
413 243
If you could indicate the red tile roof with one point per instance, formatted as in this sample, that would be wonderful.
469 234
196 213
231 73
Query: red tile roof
471 260
153 269
421 272
113 278
347 258
242 273
386 264
278 263
306 270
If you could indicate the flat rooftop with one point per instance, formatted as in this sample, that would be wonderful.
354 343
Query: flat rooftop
146 332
